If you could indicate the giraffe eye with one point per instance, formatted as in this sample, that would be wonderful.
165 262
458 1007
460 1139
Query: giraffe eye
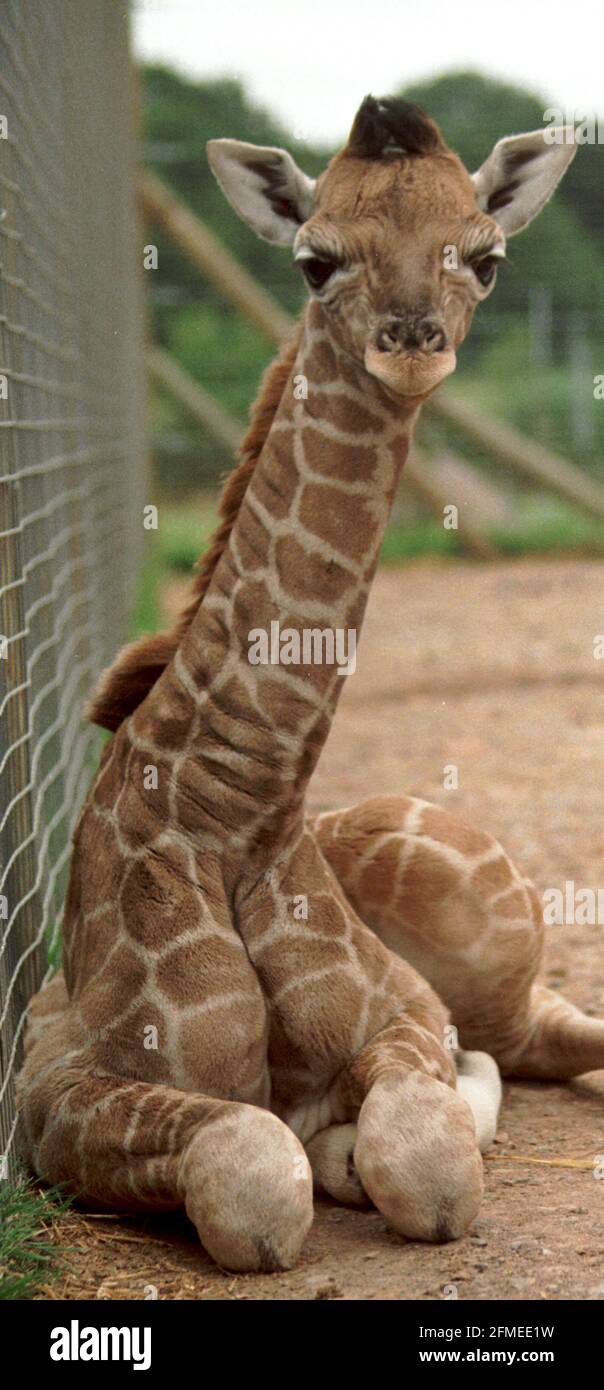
317 271
484 270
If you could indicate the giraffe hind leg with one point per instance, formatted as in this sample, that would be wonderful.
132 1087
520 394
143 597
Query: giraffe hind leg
331 1156
479 1084
475 932
559 1041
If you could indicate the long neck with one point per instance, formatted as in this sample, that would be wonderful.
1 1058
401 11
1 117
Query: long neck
282 615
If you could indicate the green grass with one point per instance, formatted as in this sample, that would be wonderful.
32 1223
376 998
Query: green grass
418 538
182 536
28 1254
547 525
561 533
184 531
145 614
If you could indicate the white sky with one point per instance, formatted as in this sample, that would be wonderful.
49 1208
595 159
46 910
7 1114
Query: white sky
312 61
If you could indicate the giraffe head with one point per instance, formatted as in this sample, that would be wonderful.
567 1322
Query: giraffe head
396 240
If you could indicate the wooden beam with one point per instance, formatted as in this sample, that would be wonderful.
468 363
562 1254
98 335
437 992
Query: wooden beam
432 490
515 450
188 232
192 396
487 502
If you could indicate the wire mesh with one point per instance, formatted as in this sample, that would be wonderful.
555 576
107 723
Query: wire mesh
71 456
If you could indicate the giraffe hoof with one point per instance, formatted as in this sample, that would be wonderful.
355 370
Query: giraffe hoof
247 1188
417 1157
331 1154
479 1084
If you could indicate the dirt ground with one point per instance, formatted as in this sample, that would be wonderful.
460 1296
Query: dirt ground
491 668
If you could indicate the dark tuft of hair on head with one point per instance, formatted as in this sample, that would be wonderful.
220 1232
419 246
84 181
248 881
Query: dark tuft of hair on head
392 125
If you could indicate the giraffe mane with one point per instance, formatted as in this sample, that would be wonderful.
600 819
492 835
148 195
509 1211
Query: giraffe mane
123 686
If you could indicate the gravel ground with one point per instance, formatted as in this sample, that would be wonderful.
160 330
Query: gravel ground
491 668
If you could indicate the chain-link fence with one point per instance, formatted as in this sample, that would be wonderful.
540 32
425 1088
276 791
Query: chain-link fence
71 457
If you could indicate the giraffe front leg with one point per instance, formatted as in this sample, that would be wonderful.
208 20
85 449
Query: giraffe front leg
247 1187
416 1151
332 1151
357 1035
241 1174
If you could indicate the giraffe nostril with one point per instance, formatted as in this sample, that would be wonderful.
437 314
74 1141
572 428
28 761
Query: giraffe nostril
412 334
436 341
432 337
389 337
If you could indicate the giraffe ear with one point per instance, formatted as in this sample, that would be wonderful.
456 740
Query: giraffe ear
521 173
265 186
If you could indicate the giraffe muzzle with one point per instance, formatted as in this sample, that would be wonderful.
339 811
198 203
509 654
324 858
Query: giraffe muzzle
411 334
410 354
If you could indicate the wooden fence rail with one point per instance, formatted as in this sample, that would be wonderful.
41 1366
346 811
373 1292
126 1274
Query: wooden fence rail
218 265
195 400
505 444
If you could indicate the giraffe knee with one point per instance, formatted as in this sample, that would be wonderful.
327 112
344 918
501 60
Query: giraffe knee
247 1187
417 1157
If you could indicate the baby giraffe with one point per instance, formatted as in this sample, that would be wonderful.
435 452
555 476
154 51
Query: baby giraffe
251 998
